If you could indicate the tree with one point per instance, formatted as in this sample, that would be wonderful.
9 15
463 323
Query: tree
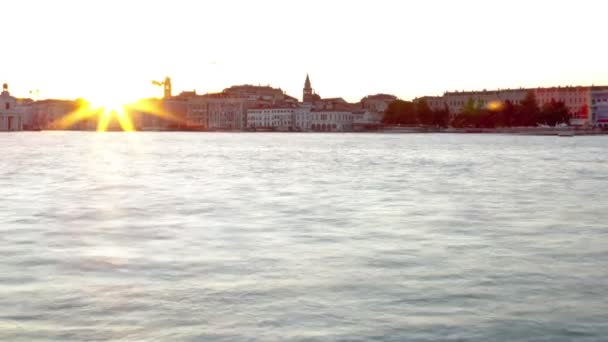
473 115
554 113
424 112
441 117
527 113
508 113
401 112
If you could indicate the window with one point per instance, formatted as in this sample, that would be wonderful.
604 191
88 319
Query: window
8 106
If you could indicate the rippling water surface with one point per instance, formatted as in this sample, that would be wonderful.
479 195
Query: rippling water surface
185 236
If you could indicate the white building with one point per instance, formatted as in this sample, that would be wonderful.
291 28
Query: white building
303 118
299 119
364 120
11 119
599 107
280 119
331 121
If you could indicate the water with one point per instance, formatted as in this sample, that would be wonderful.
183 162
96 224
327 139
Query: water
202 237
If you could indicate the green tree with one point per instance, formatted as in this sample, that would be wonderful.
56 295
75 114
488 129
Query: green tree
441 117
470 107
554 113
527 113
424 112
401 112
473 115
508 113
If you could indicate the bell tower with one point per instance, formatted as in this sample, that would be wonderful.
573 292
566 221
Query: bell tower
167 85
307 91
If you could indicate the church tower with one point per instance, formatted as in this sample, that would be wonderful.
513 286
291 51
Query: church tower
167 87
307 91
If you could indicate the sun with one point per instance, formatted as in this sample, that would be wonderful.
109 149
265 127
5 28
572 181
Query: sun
109 104
108 109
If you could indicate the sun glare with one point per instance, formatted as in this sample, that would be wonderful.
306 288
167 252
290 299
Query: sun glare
108 110
110 113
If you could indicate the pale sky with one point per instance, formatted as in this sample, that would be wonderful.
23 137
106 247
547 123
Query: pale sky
114 48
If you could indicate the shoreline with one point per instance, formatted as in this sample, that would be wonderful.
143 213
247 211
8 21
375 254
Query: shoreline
567 131
394 130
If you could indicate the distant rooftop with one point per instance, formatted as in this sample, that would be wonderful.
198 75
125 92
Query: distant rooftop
387 97
539 89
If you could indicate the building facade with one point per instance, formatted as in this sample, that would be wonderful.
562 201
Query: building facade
218 112
46 114
227 114
303 118
331 121
367 120
599 107
279 119
228 110
377 103
578 100
456 101
11 119
261 95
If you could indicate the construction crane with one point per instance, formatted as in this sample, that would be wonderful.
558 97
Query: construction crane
166 84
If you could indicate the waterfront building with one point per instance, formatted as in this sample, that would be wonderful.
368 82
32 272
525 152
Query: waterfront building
367 120
11 119
456 101
313 100
331 121
377 103
228 110
227 113
599 107
218 112
279 119
168 113
335 104
197 112
303 118
262 95
329 114
46 114
576 99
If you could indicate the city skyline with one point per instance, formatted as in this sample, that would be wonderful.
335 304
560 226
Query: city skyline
110 51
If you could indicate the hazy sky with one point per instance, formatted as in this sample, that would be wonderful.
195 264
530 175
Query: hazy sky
113 49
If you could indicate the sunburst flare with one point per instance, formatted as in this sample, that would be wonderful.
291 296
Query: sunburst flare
109 114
